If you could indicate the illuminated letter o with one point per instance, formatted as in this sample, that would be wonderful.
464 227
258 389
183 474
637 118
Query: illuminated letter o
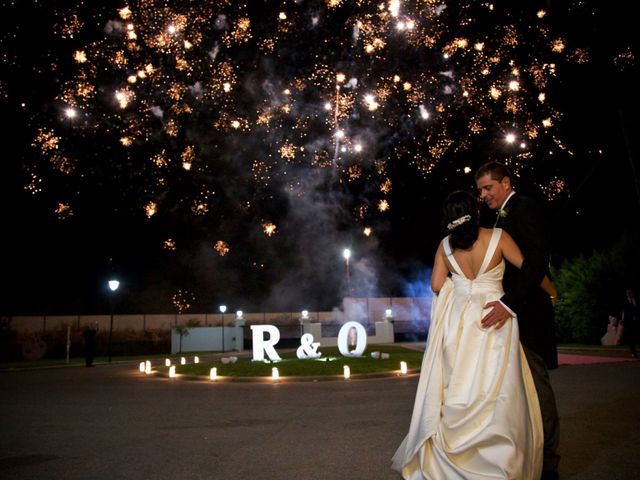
361 335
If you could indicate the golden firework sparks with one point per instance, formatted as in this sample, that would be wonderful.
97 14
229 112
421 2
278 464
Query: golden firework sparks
221 247
150 209
182 300
269 228
63 211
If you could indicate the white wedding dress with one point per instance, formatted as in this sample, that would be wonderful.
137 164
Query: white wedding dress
476 413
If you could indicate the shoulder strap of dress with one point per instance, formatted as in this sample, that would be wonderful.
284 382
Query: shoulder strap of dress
449 253
491 249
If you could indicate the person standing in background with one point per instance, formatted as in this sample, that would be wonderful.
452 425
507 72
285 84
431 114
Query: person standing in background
630 320
89 336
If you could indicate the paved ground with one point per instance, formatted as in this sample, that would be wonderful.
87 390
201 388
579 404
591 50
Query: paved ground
111 422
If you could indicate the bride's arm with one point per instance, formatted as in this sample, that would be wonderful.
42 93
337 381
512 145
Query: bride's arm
512 253
440 271
510 250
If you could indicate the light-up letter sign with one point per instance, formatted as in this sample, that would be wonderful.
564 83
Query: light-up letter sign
343 335
262 346
308 348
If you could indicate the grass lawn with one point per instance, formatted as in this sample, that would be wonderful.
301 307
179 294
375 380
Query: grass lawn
331 363
290 366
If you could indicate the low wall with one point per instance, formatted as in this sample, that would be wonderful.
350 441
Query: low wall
208 339
410 314
383 334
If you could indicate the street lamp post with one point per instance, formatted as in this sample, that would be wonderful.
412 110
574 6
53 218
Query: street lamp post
239 331
346 253
113 286
304 320
223 308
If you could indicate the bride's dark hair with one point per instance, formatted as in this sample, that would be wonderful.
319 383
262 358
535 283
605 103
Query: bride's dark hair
457 205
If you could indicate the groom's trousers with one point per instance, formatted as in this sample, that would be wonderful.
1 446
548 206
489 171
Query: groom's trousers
548 409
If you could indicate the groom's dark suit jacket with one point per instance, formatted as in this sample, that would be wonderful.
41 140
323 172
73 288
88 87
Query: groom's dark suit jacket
524 220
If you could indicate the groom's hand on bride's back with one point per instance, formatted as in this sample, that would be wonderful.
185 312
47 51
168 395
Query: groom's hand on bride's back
497 317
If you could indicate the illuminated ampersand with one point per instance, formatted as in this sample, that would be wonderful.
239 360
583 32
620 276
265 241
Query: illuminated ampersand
308 348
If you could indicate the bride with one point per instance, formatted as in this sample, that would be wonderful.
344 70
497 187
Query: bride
476 412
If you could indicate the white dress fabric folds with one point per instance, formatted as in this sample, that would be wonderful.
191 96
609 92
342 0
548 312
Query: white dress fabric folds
476 413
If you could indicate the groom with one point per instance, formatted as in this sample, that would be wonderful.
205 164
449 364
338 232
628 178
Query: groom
523 219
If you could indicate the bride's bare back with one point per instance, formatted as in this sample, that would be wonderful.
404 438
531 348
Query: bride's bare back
470 260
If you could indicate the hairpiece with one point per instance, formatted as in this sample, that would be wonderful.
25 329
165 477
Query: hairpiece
458 221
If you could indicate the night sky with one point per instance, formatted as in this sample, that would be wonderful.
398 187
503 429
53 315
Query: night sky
227 152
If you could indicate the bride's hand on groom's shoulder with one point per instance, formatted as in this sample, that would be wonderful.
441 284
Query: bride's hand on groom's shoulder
497 317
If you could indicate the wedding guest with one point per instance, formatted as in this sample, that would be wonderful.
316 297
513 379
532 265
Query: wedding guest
614 332
630 313
89 336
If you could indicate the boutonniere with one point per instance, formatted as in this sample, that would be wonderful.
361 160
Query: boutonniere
503 213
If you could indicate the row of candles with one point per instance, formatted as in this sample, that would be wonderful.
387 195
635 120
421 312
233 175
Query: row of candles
145 367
